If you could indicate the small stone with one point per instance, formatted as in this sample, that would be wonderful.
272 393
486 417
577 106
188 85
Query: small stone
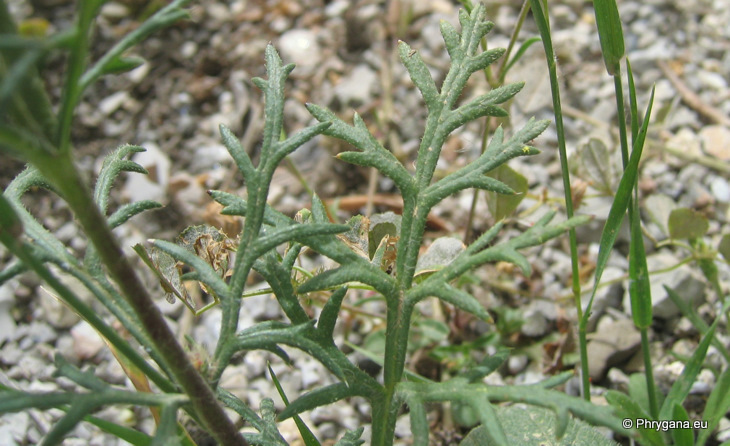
608 296
356 88
114 10
139 73
723 430
687 141
211 156
659 206
704 383
618 377
140 187
612 343
112 103
403 427
300 46
312 373
716 141
41 332
7 323
535 320
235 379
713 81
13 427
685 281
28 366
328 430
87 342
189 49
255 363
56 313
517 363
720 189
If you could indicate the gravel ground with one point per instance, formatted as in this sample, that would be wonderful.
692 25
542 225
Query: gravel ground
198 76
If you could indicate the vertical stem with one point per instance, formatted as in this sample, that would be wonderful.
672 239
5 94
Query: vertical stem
397 329
543 25
634 214
648 370
63 174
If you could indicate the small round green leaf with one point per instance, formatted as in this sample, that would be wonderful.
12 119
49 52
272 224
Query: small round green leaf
685 223
501 206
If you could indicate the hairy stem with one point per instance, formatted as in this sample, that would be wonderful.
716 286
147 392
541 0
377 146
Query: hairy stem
64 175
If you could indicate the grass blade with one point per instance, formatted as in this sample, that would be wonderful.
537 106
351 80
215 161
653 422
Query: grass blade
610 34
307 435
619 207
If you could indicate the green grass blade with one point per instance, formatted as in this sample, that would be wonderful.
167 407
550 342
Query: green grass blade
610 34
127 434
626 408
681 387
619 206
682 437
632 101
717 406
539 12
520 52
307 435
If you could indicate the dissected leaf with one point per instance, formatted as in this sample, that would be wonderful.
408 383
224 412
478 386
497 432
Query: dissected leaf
501 206
685 223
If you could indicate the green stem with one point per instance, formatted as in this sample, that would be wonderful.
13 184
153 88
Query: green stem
397 329
650 385
76 64
513 39
62 173
633 215
544 26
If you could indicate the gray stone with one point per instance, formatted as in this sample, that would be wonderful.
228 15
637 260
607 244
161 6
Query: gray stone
328 430
612 343
255 362
684 280
7 323
537 318
357 87
300 46
607 296
517 363
716 141
153 186
112 103
13 427
720 189
704 383
723 430
403 427
659 206
312 374
87 342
